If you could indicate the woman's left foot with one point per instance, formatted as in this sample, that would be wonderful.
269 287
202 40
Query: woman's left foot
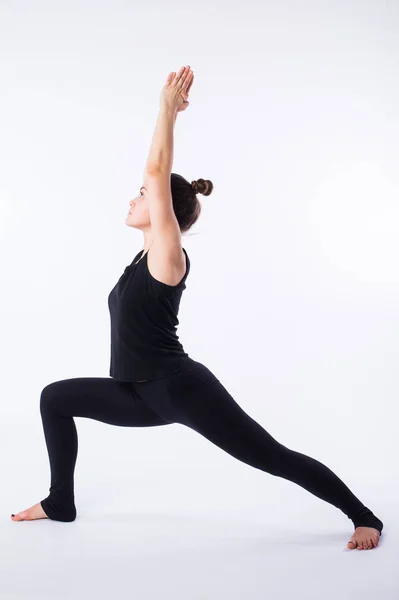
364 538
30 514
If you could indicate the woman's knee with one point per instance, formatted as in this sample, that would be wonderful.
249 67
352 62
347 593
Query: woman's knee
50 394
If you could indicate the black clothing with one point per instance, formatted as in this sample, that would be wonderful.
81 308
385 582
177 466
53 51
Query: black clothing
143 314
194 397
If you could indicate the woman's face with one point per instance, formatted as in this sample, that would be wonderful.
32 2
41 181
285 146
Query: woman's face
139 214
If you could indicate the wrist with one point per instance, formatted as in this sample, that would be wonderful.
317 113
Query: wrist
168 109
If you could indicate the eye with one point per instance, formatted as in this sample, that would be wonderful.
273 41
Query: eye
141 193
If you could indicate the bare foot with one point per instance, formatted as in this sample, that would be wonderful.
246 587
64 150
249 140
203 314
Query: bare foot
30 514
364 538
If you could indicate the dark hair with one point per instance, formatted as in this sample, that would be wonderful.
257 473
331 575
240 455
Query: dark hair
186 205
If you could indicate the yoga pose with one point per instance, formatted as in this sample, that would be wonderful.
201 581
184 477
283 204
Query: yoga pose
153 381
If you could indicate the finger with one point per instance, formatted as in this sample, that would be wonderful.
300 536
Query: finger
170 77
186 84
190 83
179 76
186 78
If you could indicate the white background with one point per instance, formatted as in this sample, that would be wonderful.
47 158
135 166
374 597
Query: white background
292 300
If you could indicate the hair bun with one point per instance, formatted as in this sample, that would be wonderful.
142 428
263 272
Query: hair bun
202 186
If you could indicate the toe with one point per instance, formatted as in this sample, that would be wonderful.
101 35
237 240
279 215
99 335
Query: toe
21 516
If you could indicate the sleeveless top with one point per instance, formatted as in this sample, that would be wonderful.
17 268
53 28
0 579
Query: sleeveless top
143 316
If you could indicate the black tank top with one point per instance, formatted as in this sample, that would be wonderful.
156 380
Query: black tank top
143 314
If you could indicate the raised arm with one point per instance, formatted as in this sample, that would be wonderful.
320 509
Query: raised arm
166 247
173 100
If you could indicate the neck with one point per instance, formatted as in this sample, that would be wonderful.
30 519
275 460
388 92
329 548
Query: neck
148 240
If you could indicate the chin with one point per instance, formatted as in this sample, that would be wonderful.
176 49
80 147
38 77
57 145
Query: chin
130 224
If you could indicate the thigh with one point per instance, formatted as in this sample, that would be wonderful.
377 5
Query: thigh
208 408
170 396
101 398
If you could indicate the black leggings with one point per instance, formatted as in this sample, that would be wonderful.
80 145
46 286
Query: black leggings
193 397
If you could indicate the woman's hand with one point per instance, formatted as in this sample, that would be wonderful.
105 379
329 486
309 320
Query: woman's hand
175 92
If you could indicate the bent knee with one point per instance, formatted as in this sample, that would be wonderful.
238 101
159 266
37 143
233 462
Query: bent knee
49 395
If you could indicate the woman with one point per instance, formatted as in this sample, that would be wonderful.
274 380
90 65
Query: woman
153 380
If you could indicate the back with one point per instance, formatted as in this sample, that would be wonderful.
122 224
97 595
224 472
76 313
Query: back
144 320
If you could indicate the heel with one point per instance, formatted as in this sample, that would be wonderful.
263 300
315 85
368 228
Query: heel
366 518
65 514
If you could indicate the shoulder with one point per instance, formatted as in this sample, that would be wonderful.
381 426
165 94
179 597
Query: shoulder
167 264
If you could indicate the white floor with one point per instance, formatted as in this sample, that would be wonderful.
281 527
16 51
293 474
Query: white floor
154 555
164 514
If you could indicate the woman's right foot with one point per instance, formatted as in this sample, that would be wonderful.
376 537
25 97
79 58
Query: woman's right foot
364 538
34 512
